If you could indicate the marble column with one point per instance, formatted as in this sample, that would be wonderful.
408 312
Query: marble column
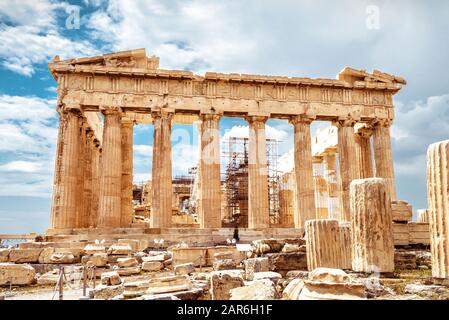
323 242
371 226
127 173
64 201
87 183
305 194
162 189
438 212
333 195
363 142
383 156
109 214
96 167
258 206
348 163
209 172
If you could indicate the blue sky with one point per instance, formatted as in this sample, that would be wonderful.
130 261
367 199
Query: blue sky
294 38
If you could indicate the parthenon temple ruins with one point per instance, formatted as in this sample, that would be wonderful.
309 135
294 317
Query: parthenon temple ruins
93 175
244 222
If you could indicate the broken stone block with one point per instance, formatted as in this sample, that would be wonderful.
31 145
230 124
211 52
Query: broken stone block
424 258
128 271
24 255
49 278
169 284
299 274
288 247
270 275
46 253
110 278
168 263
223 256
253 265
90 249
257 290
263 246
152 266
159 258
165 254
401 211
135 289
185 268
123 249
283 262
62 258
224 264
134 244
105 292
404 260
127 262
329 275
16 274
293 289
331 284
97 259
4 254
221 282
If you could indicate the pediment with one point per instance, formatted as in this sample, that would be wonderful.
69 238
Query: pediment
123 59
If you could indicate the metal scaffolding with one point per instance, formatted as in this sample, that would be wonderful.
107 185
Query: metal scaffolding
235 179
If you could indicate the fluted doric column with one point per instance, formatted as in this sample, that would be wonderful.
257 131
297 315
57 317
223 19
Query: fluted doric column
383 156
81 175
371 226
64 201
363 142
323 244
162 190
96 167
305 193
127 173
330 173
109 214
258 206
438 212
348 163
209 172
87 183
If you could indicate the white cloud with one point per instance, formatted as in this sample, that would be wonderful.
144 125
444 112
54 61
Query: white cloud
33 35
143 150
20 166
27 145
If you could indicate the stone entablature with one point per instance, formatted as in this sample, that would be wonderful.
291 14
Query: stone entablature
91 83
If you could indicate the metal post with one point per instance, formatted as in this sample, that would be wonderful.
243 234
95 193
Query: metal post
84 280
94 276
61 283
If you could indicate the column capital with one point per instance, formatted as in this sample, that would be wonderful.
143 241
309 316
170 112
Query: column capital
72 108
110 110
364 130
209 116
256 118
386 123
126 122
302 118
347 122
162 113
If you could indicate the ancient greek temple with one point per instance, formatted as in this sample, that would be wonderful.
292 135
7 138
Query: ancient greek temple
101 98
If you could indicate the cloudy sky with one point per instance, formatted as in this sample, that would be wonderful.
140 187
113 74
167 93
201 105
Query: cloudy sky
294 38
